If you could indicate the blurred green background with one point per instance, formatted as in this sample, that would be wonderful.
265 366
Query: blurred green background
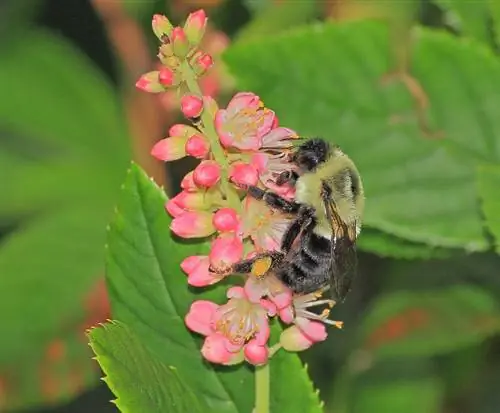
409 89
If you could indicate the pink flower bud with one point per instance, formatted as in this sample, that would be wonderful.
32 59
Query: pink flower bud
206 174
197 146
225 251
256 354
243 174
195 26
226 219
173 208
150 82
196 268
201 63
185 131
192 200
162 27
179 42
169 149
191 106
192 224
167 77
187 182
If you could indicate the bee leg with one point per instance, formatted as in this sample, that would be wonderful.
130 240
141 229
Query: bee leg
303 220
260 264
273 200
287 177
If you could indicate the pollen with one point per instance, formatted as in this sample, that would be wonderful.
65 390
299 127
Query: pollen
261 267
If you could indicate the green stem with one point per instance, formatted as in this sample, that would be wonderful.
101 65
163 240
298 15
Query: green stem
207 119
262 383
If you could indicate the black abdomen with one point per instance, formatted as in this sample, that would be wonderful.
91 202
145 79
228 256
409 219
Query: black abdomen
307 268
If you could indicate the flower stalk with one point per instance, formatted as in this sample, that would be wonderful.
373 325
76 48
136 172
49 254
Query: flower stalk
209 129
262 388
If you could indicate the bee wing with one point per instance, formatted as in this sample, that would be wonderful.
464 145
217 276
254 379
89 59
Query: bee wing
344 263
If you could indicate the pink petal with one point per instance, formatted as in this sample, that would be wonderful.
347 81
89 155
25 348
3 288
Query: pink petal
243 100
190 264
173 209
262 336
225 251
187 182
268 306
200 276
225 137
259 161
267 124
292 339
236 292
199 317
256 354
254 289
233 347
286 314
243 174
282 299
279 138
214 349
314 330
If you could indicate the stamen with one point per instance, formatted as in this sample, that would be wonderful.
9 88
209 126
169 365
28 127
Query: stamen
330 303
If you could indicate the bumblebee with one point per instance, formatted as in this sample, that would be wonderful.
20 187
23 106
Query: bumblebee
318 249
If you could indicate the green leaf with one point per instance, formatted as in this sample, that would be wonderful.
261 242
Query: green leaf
65 153
273 18
326 81
404 324
472 17
399 394
489 184
387 245
495 14
150 294
140 382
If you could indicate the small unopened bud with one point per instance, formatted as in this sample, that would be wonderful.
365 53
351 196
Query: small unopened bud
206 174
150 82
162 27
180 129
168 78
187 182
256 354
179 42
195 26
225 219
169 149
197 146
201 63
191 106
193 224
190 201
167 58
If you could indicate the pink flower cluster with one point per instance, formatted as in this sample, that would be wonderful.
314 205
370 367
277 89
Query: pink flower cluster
237 146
